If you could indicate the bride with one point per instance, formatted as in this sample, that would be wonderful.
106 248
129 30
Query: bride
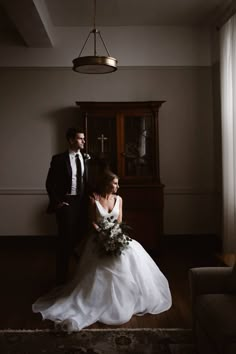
109 289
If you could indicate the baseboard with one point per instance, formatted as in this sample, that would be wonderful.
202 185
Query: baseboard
198 241
28 241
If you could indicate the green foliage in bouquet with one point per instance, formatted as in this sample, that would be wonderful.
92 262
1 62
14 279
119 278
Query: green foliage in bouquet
113 237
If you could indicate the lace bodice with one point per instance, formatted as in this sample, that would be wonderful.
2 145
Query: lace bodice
102 213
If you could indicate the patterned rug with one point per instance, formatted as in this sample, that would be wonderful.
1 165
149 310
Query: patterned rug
97 341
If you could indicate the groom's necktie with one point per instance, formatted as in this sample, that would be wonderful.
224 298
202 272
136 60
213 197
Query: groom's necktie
79 183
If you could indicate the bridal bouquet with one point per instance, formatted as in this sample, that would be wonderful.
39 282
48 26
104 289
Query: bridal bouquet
113 237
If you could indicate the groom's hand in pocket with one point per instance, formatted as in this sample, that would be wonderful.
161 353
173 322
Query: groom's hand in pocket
62 204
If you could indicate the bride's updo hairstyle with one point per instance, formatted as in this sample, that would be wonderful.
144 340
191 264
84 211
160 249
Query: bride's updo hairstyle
105 180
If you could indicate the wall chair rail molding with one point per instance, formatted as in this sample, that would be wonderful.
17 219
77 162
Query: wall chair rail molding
19 191
190 191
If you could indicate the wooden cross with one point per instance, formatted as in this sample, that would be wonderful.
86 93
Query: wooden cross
102 138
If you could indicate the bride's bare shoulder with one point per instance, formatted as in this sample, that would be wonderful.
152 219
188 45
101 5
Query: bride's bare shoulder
118 196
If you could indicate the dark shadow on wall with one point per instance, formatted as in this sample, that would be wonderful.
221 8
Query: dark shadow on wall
62 119
45 223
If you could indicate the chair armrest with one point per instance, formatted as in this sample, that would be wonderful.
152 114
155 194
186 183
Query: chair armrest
209 280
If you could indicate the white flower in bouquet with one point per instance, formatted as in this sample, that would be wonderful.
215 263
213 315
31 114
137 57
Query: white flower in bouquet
113 237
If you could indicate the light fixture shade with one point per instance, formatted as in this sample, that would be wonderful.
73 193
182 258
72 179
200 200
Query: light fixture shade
95 64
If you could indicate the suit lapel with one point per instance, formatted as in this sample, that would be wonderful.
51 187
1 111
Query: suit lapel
85 167
68 165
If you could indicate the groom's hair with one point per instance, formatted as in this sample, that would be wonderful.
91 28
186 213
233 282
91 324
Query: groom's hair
71 133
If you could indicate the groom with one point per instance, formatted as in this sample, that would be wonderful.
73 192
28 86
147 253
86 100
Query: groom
66 185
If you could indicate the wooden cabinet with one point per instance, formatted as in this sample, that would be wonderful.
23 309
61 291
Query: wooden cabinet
124 136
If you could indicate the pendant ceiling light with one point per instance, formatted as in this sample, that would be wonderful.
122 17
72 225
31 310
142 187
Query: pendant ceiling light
94 64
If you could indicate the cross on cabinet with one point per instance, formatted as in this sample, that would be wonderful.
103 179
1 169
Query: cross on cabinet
125 137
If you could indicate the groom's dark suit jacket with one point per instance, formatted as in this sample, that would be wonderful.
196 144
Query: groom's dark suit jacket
59 178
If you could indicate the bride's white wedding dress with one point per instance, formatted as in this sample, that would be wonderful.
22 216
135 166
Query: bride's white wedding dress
108 289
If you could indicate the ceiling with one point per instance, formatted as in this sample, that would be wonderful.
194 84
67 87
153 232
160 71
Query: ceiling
29 22
131 12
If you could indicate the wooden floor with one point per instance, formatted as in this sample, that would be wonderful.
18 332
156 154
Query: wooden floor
27 270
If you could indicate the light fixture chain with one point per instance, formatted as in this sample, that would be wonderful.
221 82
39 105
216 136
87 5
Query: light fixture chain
85 43
95 42
104 44
94 16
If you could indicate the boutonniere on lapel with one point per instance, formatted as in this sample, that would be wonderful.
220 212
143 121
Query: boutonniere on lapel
87 157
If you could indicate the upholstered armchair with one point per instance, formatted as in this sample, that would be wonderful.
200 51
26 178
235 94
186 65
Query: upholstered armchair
213 296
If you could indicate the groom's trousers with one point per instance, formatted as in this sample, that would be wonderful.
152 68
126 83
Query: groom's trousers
70 222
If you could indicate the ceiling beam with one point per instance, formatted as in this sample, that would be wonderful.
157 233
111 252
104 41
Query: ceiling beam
31 20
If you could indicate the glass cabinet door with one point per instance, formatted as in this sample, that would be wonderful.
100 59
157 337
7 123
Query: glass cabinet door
138 144
101 139
124 137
